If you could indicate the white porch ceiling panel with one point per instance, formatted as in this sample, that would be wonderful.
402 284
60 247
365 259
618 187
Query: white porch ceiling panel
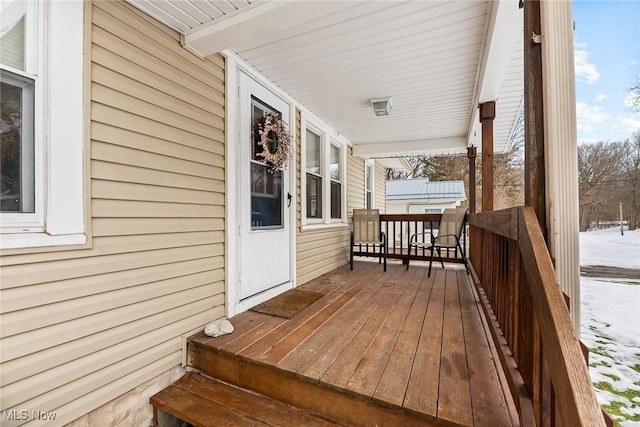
185 15
435 58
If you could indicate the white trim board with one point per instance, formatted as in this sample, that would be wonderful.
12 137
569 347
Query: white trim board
233 304
233 65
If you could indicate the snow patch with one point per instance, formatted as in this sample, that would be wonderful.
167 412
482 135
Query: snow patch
611 321
608 247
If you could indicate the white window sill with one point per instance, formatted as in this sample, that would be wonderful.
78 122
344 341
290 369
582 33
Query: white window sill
322 226
39 240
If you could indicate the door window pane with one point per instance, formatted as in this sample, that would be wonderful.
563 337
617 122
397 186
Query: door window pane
259 110
17 183
266 197
267 208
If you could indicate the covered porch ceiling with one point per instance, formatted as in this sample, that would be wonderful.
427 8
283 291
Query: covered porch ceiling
437 60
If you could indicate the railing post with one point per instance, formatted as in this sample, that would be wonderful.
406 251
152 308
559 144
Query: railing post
487 114
471 154
534 172
529 321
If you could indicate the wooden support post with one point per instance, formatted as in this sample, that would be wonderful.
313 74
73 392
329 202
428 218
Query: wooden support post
534 166
471 154
487 114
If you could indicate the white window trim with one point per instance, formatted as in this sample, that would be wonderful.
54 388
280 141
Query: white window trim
303 171
370 163
343 174
327 137
61 133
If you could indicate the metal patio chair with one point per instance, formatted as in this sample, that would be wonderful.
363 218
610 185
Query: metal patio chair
366 231
448 237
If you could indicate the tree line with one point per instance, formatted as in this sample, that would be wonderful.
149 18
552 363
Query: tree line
608 174
508 168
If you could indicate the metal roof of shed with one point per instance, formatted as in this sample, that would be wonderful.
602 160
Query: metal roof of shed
413 189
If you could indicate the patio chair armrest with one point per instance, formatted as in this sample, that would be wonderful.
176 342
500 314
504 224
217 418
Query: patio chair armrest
414 236
455 236
445 235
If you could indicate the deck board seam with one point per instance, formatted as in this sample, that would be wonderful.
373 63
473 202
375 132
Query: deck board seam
358 288
420 338
329 298
393 343
367 318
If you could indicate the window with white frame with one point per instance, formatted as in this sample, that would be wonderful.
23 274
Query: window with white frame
41 123
368 184
18 78
313 152
335 169
324 176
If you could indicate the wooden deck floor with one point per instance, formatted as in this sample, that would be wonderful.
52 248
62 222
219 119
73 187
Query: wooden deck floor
398 339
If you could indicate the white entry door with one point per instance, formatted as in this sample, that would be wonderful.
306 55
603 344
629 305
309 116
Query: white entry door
264 197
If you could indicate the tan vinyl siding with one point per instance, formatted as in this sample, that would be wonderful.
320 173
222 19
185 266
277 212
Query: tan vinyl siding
319 251
82 327
380 187
355 170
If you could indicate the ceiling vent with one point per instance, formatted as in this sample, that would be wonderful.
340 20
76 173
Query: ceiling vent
382 106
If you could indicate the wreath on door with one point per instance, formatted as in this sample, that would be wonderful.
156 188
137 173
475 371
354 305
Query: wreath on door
275 155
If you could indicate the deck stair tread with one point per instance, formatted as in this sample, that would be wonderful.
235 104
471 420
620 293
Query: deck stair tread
203 401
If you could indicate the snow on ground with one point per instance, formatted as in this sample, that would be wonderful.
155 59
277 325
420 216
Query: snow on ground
608 247
611 322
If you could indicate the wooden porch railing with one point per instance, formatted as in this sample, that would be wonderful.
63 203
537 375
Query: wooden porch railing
529 321
400 227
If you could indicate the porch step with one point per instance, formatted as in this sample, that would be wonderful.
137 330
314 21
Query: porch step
316 398
205 402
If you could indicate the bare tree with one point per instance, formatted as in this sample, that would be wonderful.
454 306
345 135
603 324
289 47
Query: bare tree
508 170
634 95
508 174
597 176
630 171
609 174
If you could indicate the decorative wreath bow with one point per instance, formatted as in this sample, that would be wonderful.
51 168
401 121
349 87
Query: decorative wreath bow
271 126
